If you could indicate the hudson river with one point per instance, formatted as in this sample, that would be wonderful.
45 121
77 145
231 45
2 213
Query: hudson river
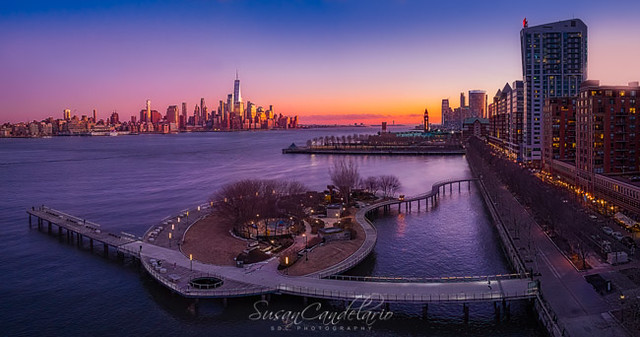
128 183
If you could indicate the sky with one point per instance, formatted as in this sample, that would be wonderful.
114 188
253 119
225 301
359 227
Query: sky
334 61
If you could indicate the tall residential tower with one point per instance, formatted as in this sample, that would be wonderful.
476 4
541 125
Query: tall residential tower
554 63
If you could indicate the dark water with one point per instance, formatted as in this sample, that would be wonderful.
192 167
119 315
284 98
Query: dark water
128 183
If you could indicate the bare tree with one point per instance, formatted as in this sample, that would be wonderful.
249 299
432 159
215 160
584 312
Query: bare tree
345 176
371 184
253 201
389 185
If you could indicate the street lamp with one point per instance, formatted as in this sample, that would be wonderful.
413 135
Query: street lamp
169 239
621 308
191 261
306 249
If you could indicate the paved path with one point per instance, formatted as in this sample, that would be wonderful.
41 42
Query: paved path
269 280
579 308
175 270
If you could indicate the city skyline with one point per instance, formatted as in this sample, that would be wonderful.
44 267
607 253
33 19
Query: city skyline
323 61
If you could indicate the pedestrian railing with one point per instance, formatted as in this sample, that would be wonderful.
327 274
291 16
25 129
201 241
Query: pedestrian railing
415 297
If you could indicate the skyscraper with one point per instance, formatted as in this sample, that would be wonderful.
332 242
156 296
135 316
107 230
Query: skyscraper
203 111
554 63
172 114
148 112
444 111
478 103
67 114
184 115
237 97
462 100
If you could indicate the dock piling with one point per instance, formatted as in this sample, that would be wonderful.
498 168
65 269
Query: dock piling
465 311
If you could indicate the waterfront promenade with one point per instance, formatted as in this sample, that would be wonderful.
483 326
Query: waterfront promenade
569 305
172 268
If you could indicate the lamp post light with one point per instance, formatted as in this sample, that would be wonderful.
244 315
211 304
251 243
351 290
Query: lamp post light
621 308
257 222
306 249
169 239
191 261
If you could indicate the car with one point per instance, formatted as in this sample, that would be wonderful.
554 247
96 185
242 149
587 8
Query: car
617 235
607 230
628 241
593 217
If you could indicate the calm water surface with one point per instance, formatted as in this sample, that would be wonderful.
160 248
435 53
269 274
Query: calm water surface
129 183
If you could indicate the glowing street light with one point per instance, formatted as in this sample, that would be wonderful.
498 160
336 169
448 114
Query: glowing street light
306 249
621 308
191 261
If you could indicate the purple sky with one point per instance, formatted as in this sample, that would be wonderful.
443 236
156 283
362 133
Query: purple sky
327 61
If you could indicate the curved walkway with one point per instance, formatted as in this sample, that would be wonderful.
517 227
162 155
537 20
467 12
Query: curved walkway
263 278
164 261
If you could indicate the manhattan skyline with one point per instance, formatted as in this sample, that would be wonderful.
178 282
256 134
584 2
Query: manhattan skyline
328 62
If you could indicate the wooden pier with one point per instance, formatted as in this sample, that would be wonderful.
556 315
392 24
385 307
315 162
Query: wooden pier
78 230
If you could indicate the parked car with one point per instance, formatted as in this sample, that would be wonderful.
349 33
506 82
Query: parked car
628 241
617 235
607 230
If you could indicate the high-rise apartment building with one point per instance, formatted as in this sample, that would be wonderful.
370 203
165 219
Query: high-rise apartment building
67 114
559 136
478 103
607 143
505 119
462 100
607 129
554 63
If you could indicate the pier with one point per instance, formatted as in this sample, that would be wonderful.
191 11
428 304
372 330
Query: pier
378 150
77 229
180 273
